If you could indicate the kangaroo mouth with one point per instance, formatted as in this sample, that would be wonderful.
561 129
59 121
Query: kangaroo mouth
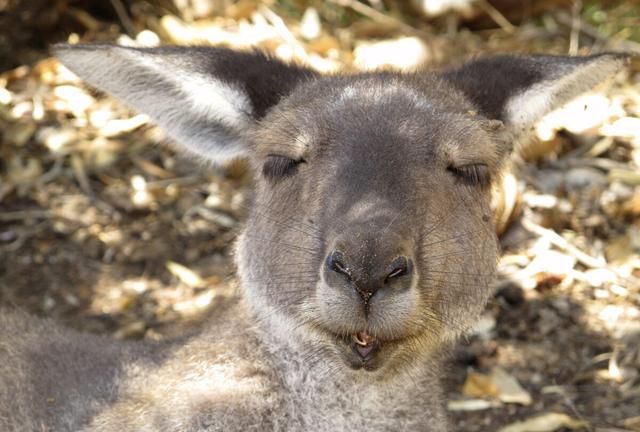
364 344
364 350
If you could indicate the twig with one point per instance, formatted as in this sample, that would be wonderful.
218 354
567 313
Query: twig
84 18
496 16
124 17
180 181
376 4
280 27
53 173
14 245
151 168
627 176
380 17
559 241
600 163
576 25
589 261
79 171
21 215
588 30
588 149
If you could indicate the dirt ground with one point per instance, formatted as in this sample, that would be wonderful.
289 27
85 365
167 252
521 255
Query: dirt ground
103 227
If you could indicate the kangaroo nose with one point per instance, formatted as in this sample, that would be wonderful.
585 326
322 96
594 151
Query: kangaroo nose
396 273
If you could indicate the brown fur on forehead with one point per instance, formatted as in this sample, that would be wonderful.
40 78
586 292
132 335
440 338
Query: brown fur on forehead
367 90
469 139
422 110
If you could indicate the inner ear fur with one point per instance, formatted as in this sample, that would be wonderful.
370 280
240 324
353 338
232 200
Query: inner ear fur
205 98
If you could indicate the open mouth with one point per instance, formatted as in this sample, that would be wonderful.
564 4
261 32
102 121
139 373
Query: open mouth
364 344
363 350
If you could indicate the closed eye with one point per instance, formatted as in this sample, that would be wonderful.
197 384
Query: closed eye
277 167
472 174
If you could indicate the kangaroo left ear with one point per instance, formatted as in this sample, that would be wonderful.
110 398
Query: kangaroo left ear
519 90
205 98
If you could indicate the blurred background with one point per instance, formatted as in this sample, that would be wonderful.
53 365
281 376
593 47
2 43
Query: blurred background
106 229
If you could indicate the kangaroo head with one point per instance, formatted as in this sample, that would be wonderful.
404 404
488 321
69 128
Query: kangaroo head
370 241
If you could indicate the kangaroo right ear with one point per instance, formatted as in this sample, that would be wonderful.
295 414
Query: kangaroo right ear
205 98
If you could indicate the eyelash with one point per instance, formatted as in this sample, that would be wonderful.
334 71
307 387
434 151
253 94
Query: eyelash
277 167
472 174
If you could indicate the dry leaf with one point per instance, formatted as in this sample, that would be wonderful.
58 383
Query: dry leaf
499 385
195 305
472 405
404 53
19 134
632 423
509 389
120 126
545 423
185 274
479 385
548 265
619 250
323 45
310 27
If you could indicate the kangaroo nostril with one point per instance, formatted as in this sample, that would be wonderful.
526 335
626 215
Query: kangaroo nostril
335 262
401 266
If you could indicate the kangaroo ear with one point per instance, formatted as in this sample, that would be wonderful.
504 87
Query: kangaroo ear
204 97
519 90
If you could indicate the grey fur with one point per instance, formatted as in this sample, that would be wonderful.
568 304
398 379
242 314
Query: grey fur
375 166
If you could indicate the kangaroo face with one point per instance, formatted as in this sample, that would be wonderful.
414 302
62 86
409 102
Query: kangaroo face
371 230
370 241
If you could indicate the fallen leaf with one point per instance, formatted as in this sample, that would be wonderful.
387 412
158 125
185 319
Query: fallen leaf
498 385
323 45
509 389
479 385
619 250
310 26
546 265
120 126
545 423
627 127
185 274
132 330
196 305
472 405
23 172
484 327
632 423
404 53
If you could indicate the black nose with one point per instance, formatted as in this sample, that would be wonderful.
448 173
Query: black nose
394 274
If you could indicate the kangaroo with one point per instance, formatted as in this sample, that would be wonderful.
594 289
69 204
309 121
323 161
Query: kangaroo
369 247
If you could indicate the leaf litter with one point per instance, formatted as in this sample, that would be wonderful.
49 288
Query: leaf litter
104 227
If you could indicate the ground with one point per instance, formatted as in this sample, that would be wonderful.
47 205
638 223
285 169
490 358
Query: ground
103 227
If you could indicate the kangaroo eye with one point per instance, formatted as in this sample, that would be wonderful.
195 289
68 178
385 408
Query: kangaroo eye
277 167
472 174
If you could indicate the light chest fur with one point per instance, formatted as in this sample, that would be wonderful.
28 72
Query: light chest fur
220 387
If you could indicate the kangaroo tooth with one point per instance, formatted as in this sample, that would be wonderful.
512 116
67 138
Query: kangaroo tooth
363 338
